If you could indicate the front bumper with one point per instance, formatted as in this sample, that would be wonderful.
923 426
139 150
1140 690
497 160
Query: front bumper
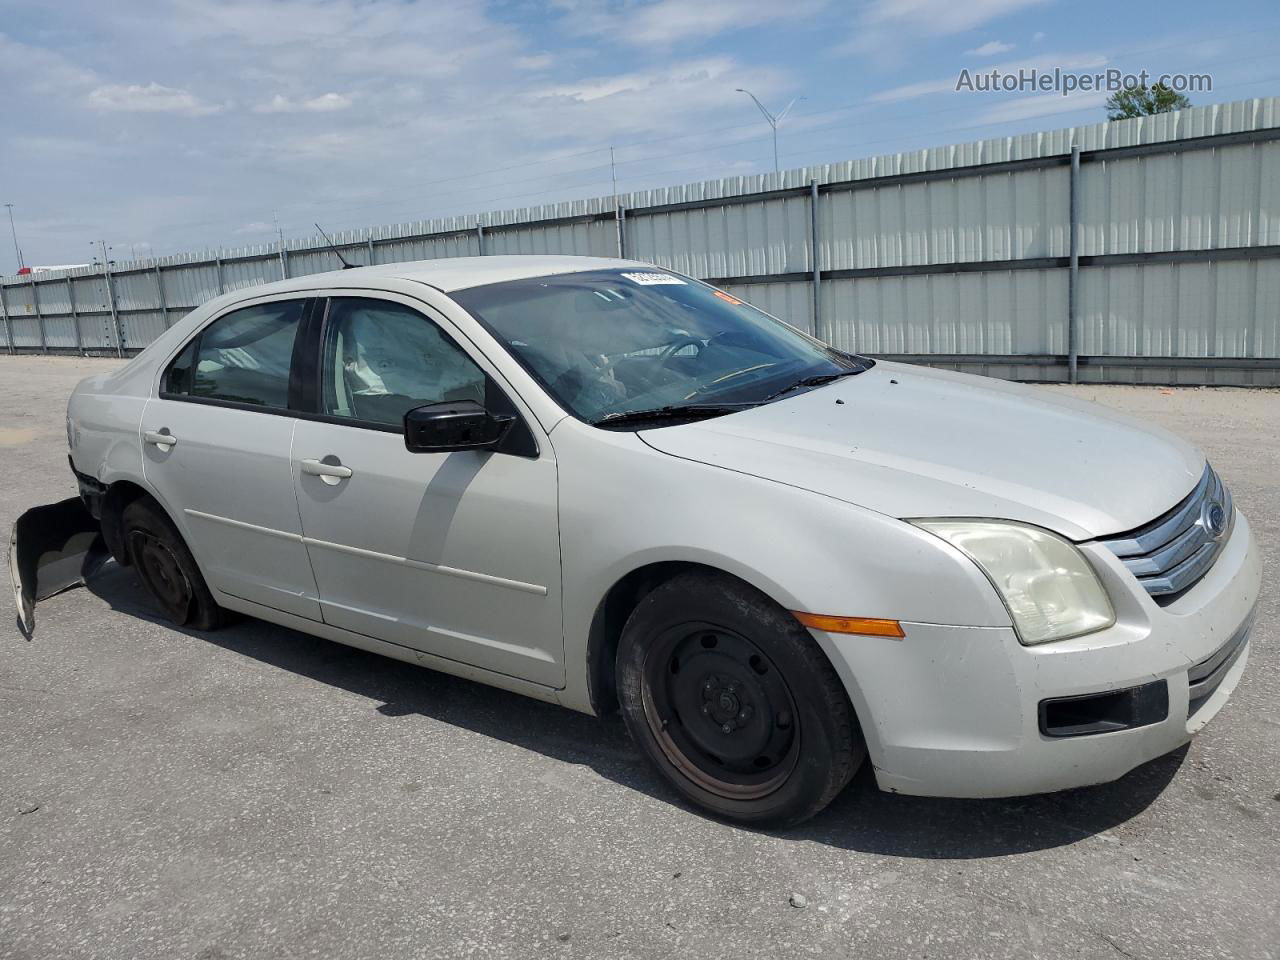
956 711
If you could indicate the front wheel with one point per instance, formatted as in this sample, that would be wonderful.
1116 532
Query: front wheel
734 702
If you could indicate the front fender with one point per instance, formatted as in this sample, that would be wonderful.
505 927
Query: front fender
624 505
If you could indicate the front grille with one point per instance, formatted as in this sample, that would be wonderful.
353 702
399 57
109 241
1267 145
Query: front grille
1171 553
1205 677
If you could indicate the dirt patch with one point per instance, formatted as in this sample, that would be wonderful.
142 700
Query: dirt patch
15 436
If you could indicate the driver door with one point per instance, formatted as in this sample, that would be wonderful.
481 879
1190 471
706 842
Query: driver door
455 554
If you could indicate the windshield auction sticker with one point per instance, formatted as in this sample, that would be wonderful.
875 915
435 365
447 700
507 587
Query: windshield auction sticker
649 279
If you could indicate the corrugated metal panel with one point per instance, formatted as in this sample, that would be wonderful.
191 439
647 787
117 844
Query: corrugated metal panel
90 293
191 286
791 302
1228 196
24 331
1017 311
238 274
141 327
1003 217
1223 309
96 333
1193 201
737 241
53 298
60 333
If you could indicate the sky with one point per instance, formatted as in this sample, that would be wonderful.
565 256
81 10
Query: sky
173 125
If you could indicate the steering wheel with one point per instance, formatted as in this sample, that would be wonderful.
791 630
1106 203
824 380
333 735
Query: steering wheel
676 346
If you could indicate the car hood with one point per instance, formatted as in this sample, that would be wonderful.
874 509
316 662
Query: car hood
911 441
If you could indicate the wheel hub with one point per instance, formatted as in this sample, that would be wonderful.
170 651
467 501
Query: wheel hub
161 570
723 705
723 710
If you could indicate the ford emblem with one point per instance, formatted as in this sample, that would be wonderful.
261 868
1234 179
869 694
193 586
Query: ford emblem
1215 519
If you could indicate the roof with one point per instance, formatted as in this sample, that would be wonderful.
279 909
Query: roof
458 273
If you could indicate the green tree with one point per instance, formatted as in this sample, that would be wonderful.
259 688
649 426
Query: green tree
1142 101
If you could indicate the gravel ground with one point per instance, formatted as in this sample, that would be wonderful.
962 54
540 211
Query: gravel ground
257 792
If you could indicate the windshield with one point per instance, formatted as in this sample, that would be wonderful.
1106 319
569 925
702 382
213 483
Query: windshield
609 343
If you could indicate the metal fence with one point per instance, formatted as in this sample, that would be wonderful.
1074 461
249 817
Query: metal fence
1143 250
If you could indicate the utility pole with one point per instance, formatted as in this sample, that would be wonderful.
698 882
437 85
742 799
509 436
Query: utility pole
613 175
284 263
111 299
17 251
773 121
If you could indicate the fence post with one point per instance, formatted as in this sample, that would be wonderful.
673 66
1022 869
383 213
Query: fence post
164 303
817 269
217 260
8 331
111 303
620 219
480 238
369 242
75 316
1073 275
35 304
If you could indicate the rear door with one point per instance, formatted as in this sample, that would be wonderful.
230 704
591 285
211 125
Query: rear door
216 451
456 554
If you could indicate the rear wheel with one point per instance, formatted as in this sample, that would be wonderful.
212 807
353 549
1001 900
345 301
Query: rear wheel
167 568
733 701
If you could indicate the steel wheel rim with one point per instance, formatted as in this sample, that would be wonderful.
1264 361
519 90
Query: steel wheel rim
160 568
720 710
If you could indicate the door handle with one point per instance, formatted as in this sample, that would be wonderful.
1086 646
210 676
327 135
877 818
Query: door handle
160 438
328 472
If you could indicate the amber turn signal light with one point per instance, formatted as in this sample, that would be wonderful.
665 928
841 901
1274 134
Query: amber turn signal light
868 626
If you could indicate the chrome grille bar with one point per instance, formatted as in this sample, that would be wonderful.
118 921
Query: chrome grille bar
1172 552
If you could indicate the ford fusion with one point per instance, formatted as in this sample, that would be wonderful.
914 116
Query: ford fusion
609 486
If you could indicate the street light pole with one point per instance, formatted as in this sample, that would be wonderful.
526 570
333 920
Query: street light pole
773 121
17 251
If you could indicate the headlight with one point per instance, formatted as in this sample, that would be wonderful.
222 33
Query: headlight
1047 584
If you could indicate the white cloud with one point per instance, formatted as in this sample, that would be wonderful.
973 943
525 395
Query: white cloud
1037 36
666 22
888 28
685 73
152 98
538 62
324 103
40 71
1040 105
942 16
457 107
1048 61
991 48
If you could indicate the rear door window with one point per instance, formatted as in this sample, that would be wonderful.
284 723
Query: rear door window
242 358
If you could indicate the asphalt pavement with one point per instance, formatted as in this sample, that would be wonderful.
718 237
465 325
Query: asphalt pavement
256 792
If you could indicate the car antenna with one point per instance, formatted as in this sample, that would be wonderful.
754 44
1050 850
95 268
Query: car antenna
336 253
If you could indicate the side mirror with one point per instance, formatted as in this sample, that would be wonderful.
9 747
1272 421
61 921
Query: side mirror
453 425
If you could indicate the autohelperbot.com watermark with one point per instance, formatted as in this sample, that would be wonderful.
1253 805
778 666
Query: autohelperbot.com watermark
1067 82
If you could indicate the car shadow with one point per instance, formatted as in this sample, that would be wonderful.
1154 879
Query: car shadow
862 818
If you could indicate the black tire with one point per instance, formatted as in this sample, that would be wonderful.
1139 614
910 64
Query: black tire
169 572
733 701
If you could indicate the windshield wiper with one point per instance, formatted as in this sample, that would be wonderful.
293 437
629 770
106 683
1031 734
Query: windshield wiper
678 411
815 381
